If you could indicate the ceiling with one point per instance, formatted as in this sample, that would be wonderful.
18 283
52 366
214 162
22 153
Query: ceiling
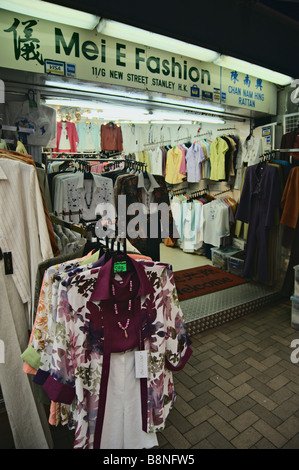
264 32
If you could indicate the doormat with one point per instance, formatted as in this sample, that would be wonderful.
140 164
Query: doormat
204 280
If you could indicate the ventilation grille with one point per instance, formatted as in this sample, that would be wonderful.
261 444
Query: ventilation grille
290 122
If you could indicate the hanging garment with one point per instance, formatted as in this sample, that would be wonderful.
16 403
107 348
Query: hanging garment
290 140
156 162
74 193
3 145
183 170
92 336
218 151
215 222
290 221
21 148
24 237
40 118
290 200
11 155
89 137
70 137
193 223
252 149
259 202
194 158
173 164
177 213
111 137
144 157
229 157
135 191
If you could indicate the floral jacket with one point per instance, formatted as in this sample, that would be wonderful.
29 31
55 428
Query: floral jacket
79 369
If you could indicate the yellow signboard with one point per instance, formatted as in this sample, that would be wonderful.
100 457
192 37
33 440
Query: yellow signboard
34 45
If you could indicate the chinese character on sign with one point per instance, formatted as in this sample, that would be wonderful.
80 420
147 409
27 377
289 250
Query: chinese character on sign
27 46
259 83
234 77
247 81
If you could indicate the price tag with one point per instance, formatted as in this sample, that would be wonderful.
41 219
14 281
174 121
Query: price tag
120 266
141 371
8 268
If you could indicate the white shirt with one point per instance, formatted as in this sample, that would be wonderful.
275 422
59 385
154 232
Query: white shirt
74 193
215 222
64 143
193 226
23 226
194 156
252 149
156 161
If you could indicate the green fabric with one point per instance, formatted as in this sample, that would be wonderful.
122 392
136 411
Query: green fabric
91 259
32 357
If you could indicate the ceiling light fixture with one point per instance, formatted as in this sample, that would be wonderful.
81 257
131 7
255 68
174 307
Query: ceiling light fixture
95 89
140 36
158 41
252 69
52 12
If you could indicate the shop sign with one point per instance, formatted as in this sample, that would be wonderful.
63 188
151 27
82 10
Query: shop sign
267 136
40 46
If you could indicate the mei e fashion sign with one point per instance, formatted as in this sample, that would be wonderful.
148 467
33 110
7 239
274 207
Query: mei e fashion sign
34 45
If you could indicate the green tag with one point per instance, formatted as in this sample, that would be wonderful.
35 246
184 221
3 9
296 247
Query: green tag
120 267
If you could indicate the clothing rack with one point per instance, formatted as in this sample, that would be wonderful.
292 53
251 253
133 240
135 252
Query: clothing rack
162 142
82 161
185 139
176 192
205 133
227 129
268 155
74 227
221 192
135 164
70 213
199 192
85 154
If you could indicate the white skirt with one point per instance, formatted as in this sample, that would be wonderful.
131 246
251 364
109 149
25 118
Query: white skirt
122 427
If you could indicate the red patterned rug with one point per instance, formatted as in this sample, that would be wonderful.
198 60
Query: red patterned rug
204 280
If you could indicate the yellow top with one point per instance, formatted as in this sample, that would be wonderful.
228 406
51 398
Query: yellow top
173 163
218 150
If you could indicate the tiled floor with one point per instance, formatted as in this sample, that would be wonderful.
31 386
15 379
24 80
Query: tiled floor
181 260
240 388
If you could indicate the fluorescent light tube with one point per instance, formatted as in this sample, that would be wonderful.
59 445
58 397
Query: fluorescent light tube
51 12
157 115
73 103
95 89
140 36
189 103
252 69
210 119
169 121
